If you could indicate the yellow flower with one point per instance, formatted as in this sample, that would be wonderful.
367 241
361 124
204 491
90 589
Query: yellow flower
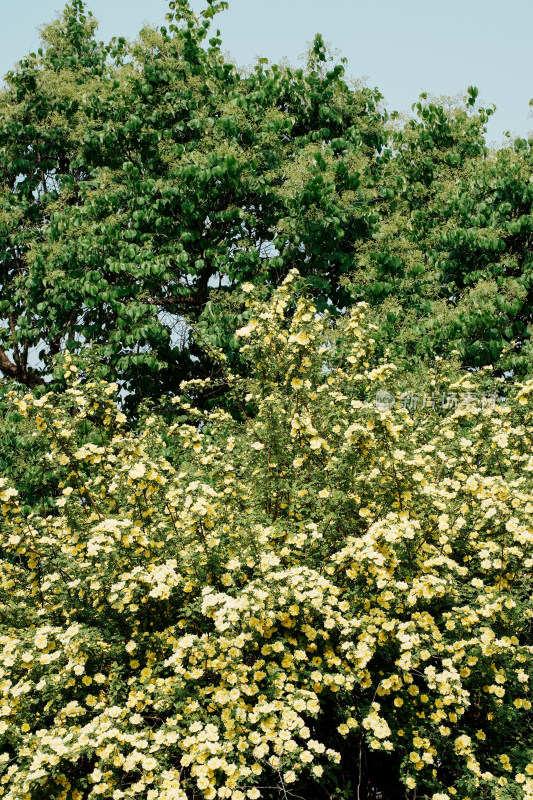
138 471
343 729
41 424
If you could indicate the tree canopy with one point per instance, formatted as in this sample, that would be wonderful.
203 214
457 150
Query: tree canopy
142 183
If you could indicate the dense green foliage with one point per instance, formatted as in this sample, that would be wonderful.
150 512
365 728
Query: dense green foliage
452 266
140 181
141 184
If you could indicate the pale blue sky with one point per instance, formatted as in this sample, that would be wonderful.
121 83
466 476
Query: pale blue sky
401 46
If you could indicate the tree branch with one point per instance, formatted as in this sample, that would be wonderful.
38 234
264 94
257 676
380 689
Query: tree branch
18 372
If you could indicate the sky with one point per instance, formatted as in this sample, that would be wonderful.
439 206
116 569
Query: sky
403 47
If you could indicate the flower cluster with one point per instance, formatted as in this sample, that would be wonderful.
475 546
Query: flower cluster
309 591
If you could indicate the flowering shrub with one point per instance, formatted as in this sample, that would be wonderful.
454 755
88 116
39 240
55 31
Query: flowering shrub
317 599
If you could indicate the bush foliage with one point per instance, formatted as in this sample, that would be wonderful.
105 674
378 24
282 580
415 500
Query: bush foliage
311 597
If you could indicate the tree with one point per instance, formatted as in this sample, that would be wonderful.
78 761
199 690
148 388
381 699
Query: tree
328 598
449 273
143 184
41 131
